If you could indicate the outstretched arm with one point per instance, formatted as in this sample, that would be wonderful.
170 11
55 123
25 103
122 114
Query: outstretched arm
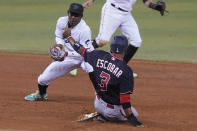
80 49
147 2
88 3
159 6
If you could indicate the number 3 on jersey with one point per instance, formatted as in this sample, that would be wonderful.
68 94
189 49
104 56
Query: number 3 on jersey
105 77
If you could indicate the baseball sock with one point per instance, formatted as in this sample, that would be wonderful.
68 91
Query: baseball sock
42 89
131 50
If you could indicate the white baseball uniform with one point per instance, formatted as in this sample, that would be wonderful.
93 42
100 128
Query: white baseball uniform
116 14
82 34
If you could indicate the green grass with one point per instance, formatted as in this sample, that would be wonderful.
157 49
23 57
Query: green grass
27 26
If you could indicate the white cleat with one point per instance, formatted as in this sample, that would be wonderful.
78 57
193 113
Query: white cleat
135 75
73 72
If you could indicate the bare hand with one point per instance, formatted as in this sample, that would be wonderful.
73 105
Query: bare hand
88 3
67 32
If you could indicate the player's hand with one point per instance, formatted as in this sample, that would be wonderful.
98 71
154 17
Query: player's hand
57 52
137 124
67 32
88 3
159 6
134 122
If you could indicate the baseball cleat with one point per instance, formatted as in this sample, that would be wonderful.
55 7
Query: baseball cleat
135 75
36 97
89 117
73 72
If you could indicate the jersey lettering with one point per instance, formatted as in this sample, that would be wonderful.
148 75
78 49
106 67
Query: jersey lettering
110 67
105 77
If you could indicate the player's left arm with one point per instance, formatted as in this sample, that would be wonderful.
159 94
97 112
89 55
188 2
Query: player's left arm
126 89
160 5
129 114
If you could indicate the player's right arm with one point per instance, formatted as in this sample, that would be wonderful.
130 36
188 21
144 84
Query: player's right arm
76 46
147 2
81 50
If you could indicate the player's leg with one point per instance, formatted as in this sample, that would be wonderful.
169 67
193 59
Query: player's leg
100 109
108 25
130 29
95 115
109 113
52 72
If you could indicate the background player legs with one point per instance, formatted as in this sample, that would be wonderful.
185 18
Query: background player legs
130 29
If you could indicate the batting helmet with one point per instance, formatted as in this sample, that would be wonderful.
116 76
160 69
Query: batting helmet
119 44
76 9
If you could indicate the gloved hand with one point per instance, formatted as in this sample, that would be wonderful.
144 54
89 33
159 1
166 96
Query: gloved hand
57 53
159 6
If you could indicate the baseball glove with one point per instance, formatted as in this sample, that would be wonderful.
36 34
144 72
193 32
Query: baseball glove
159 6
57 53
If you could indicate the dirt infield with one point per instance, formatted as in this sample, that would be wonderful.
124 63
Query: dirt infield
165 97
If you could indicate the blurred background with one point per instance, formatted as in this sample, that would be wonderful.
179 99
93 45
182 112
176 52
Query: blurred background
27 26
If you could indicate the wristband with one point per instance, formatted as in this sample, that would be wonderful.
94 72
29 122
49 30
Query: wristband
76 46
152 5
69 37
144 1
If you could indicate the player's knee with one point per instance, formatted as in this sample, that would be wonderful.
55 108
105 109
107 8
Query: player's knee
136 43
42 80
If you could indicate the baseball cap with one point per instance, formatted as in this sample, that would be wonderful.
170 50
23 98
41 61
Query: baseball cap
76 8
119 44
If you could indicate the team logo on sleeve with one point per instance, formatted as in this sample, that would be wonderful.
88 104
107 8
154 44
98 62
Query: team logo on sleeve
87 42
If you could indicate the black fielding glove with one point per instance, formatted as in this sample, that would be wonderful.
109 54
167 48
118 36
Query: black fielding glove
159 6
133 121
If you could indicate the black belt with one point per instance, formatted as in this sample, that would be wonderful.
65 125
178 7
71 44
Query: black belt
118 8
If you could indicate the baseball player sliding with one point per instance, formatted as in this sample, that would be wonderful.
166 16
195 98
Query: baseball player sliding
112 79
116 14
64 63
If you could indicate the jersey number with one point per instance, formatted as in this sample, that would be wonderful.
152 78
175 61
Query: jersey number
104 81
